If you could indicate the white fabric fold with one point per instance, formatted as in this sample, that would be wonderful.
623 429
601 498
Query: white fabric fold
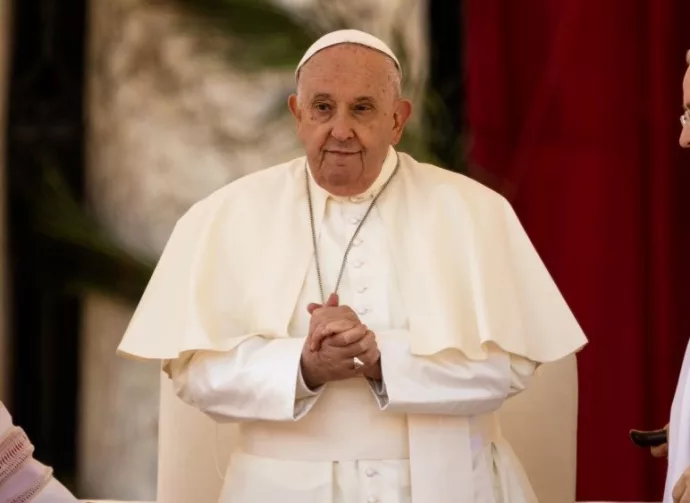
679 430
446 383
478 279
258 380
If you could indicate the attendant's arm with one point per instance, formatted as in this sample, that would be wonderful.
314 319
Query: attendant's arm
259 380
446 383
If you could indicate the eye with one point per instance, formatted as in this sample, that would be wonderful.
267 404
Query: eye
322 107
362 108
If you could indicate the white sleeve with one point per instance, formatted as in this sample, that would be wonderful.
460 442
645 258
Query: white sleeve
258 380
446 383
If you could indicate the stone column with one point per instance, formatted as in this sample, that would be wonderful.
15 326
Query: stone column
168 124
4 310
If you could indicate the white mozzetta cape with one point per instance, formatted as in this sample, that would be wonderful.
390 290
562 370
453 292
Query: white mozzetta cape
235 263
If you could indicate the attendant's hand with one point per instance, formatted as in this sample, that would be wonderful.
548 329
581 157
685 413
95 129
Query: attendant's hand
660 451
681 491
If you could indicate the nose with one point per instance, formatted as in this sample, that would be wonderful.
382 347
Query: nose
342 127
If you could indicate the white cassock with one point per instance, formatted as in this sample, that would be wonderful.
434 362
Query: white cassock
22 478
679 430
441 271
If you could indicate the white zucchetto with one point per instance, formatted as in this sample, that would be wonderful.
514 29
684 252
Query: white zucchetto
348 37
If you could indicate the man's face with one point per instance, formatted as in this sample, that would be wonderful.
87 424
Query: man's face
348 113
685 133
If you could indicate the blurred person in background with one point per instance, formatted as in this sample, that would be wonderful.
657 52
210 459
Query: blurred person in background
439 309
22 478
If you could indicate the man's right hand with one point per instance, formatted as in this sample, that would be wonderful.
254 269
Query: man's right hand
334 363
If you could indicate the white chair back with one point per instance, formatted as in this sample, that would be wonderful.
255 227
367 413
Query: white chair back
541 426
188 442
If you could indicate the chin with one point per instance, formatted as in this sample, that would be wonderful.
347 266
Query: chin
339 179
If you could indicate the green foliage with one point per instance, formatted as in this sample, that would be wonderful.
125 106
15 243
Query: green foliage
71 234
251 34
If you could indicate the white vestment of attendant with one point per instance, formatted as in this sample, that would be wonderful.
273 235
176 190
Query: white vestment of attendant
679 430
22 478
461 304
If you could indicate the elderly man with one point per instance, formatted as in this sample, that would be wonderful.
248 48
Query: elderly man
678 475
362 316
22 478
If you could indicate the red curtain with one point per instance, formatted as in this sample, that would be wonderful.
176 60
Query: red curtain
573 108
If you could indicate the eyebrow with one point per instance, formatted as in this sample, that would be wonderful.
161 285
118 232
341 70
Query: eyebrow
361 99
321 96
358 99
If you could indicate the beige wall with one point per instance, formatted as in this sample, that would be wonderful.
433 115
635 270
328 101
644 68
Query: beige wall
4 55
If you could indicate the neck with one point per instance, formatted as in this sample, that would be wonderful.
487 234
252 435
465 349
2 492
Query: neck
349 190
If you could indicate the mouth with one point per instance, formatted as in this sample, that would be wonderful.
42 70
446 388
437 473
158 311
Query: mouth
341 153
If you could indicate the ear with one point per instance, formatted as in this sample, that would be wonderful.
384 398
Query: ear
402 114
293 105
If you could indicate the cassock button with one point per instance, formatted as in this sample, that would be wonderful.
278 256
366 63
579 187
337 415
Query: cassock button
357 264
357 242
370 472
362 289
362 310
373 499
354 221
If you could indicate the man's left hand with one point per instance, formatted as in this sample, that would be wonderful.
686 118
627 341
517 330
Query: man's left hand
681 491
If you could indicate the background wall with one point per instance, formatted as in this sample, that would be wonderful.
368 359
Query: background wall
4 310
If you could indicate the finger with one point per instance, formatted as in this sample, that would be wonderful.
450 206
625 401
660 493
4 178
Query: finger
343 338
317 338
313 307
318 333
325 330
660 451
360 347
370 356
333 300
345 332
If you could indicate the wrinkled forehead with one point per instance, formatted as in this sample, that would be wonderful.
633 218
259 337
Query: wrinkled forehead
349 69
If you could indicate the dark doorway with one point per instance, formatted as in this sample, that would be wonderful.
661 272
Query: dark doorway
45 134
446 80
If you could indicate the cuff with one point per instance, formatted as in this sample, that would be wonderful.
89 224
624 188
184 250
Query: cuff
394 353
303 391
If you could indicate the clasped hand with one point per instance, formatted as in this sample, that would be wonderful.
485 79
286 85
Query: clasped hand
336 337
